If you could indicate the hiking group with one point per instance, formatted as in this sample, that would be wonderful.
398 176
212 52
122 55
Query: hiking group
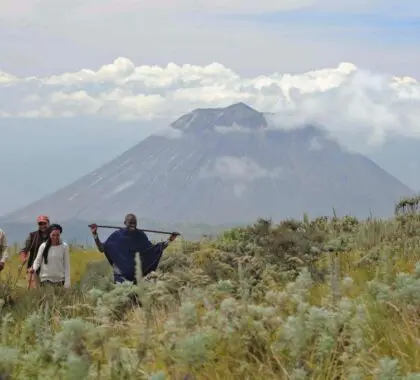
47 256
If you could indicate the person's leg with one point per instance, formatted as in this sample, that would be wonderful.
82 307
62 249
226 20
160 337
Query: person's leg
32 279
56 284
118 279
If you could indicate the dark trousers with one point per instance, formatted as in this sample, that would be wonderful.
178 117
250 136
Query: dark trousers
58 284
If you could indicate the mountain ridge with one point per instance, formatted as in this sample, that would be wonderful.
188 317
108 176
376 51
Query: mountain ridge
206 119
226 166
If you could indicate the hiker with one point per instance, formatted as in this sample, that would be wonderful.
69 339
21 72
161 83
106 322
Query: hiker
3 249
32 244
122 245
53 260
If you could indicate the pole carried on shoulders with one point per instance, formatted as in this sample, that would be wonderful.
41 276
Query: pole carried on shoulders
141 229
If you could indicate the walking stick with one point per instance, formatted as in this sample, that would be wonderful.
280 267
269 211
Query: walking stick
30 281
140 229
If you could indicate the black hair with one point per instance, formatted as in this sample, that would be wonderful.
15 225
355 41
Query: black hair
49 242
130 216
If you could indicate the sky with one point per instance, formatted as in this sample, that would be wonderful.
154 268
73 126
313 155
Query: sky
97 76
41 37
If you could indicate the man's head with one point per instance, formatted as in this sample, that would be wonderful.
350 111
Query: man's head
43 223
130 221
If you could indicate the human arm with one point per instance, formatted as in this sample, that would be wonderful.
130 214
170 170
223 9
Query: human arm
164 244
66 258
24 252
3 249
99 244
38 259
171 238
151 257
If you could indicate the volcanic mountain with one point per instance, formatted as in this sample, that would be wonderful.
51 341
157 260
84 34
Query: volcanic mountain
226 165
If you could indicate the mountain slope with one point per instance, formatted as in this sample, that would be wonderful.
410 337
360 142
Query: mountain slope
227 165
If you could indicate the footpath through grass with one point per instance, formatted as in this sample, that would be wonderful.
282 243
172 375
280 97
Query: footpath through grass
322 299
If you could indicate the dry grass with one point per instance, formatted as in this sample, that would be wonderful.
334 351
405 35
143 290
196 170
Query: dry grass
193 324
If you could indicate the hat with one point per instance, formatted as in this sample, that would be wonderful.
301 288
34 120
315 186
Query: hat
43 219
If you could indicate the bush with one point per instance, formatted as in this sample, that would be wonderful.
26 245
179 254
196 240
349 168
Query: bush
323 299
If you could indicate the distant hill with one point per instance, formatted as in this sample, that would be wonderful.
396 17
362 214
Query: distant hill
77 231
223 165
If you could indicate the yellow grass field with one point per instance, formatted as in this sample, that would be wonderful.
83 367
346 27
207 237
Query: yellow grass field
79 260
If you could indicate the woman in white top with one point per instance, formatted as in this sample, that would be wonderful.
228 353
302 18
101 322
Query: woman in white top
54 260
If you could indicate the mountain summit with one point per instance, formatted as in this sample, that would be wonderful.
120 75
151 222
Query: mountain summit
206 119
216 173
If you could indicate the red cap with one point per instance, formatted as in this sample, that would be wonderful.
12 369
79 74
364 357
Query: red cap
42 218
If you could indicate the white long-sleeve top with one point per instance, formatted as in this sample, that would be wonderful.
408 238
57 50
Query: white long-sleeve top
58 267
3 247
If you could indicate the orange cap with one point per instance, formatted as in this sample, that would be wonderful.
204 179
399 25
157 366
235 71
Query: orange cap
42 218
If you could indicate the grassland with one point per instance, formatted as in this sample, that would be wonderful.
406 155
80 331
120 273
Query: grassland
321 299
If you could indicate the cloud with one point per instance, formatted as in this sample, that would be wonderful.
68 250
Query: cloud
168 132
364 107
238 172
354 105
239 169
9 7
235 128
40 37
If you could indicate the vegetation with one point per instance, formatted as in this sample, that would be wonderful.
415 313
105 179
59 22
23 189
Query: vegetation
319 299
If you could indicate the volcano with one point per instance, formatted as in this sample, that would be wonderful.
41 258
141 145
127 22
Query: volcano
226 165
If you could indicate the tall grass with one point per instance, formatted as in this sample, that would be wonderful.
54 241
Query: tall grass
322 299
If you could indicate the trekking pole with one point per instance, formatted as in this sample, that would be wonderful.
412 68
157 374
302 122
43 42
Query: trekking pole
140 229
30 280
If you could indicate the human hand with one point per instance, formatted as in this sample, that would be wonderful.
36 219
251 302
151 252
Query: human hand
31 270
23 256
173 236
94 228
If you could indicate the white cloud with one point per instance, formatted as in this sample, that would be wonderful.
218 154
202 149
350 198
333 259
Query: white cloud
351 103
12 8
356 106
364 106
239 172
235 128
168 132
239 169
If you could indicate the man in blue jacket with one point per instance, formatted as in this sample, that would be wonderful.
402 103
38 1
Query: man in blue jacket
122 246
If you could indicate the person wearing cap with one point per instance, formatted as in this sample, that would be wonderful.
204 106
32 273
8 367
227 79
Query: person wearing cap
121 248
32 244
3 249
